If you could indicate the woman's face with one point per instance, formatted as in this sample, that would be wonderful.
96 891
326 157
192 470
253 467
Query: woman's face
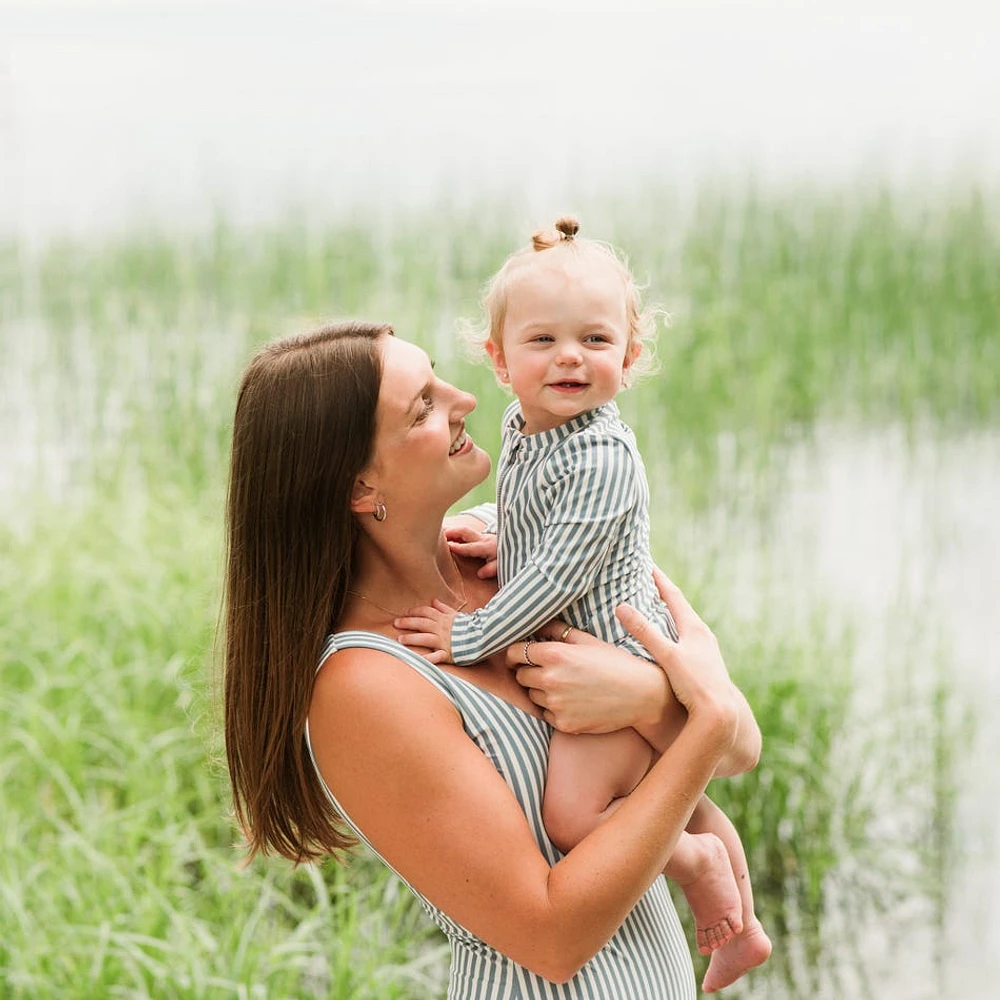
424 458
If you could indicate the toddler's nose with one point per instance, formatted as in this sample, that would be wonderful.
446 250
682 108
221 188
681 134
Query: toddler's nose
568 354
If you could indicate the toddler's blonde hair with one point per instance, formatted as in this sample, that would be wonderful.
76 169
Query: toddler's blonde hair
563 238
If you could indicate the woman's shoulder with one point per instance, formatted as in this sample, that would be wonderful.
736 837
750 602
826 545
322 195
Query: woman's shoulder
351 650
366 674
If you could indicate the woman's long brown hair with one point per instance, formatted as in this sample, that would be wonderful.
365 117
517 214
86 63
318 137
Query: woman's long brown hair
303 430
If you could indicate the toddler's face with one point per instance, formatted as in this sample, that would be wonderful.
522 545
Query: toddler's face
565 339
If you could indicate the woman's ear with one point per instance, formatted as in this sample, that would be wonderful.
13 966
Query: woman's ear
363 497
499 362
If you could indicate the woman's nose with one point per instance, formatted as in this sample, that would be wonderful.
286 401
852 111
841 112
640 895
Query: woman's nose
465 402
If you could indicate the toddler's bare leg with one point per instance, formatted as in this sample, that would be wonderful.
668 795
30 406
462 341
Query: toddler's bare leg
587 776
700 866
751 946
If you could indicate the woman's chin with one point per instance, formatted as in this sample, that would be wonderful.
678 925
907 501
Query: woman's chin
479 462
478 471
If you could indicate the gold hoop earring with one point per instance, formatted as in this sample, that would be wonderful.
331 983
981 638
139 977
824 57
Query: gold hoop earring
379 513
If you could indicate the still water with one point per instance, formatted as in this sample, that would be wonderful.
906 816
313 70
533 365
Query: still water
895 533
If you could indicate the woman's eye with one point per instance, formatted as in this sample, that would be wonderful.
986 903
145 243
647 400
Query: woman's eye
427 408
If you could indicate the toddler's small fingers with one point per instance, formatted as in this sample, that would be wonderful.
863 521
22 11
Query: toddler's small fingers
427 639
414 623
472 550
460 533
424 612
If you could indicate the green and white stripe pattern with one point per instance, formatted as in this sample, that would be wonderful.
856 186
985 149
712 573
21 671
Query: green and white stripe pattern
573 536
646 959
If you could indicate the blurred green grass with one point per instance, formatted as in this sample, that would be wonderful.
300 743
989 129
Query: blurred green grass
119 873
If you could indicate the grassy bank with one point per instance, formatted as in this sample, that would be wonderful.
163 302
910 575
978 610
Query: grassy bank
119 874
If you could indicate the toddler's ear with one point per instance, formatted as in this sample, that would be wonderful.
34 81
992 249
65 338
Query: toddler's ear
499 362
633 352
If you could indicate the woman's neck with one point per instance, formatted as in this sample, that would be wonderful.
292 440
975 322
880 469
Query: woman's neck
401 570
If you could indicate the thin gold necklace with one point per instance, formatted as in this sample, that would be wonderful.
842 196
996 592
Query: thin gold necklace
400 614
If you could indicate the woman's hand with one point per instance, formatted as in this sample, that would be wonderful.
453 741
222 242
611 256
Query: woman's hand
698 676
694 665
585 685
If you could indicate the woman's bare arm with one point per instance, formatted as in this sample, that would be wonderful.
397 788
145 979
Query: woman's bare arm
393 751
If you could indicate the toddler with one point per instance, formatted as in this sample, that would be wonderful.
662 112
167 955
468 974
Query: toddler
565 331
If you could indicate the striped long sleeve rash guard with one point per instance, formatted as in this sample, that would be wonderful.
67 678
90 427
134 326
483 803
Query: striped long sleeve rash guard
573 535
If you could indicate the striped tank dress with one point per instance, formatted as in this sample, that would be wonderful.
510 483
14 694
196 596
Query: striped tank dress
646 959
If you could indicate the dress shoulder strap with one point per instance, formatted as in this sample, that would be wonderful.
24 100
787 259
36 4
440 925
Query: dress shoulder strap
361 639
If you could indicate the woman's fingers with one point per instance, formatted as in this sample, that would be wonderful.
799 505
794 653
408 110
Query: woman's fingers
683 614
545 641
694 665
528 678
660 646
559 631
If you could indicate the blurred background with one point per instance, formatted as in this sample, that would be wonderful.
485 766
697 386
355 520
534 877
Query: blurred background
809 189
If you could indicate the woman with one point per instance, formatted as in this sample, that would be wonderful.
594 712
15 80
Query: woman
347 453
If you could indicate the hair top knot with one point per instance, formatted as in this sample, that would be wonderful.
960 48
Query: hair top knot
565 228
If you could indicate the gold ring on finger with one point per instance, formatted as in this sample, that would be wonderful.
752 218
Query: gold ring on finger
565 632
524 653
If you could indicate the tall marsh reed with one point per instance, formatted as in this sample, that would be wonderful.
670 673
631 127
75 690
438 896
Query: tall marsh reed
120 870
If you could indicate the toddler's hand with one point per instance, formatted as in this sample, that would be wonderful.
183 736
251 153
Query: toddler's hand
430 628
472 544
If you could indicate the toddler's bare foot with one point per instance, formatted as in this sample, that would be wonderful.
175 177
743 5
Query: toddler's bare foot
744 952
710 888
